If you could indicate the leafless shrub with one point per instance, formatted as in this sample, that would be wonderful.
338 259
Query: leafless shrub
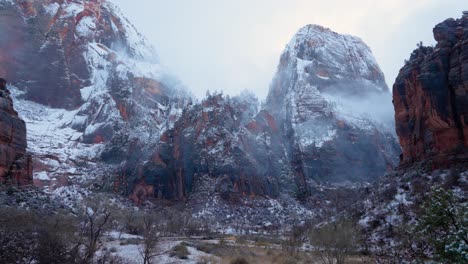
29 236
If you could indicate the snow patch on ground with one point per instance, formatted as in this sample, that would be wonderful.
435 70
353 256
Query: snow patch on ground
71 196
117 244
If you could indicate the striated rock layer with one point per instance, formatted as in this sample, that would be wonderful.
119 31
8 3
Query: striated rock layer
15 164
430 97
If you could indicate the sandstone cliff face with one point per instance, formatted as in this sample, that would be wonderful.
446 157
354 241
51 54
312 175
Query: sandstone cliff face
325 87
430 97
15 164
431 102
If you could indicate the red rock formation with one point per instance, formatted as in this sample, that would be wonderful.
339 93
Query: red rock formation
223 140
141 192
15 164
431 98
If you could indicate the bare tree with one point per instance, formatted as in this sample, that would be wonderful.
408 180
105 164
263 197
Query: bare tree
150 238
128 221
295 239
335 241
95 221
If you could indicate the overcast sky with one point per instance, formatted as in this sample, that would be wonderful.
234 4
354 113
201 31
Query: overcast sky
235 45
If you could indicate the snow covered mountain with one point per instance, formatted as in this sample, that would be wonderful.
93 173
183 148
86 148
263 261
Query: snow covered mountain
304 136
101 109
104 118
89 86
319 61
326 96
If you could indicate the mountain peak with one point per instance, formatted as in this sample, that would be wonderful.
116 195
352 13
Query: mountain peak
334 55
320 77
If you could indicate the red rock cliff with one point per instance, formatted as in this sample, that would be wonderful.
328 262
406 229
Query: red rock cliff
15 164
430 98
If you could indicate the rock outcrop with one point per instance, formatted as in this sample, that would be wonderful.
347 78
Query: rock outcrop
15 164
430 97
431 104
325 89
225 141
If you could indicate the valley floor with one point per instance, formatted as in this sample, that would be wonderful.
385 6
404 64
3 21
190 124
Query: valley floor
218 250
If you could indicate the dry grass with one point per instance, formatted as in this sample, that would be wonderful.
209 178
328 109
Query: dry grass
253 252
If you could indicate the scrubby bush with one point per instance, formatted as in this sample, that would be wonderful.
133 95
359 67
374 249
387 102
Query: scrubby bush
444 225
239 260
180 251
335 241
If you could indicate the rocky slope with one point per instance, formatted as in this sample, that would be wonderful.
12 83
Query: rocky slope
15 163
325 89
89 86
430 97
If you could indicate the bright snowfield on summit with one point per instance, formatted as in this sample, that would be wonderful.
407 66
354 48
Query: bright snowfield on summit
118 147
